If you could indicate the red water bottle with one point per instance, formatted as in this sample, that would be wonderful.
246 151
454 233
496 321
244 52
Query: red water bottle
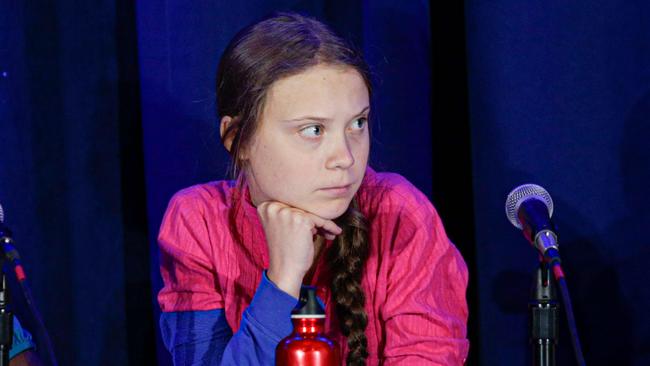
307 345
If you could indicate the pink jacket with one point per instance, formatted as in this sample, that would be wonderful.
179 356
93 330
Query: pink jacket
214 250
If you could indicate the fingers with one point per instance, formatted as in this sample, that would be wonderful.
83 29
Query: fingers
328 236
328 227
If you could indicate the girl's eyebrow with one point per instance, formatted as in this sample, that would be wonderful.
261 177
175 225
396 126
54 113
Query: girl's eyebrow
323 119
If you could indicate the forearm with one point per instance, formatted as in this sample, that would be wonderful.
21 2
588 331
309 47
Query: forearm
264 323
205 338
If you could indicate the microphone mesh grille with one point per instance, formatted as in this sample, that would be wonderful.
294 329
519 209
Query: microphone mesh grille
2 215
522 193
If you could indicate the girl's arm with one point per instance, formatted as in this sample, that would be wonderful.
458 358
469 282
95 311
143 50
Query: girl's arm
191 283
193 322
205 338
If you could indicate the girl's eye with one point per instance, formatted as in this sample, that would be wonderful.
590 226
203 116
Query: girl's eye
312 131
359 123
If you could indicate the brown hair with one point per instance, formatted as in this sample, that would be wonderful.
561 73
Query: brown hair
282 45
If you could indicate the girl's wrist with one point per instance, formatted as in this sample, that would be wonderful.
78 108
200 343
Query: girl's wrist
289 283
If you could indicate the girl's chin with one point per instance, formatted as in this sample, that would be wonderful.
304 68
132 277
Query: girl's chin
330 212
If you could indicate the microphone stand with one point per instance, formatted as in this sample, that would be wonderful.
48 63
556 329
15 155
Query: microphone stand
6 317
544 314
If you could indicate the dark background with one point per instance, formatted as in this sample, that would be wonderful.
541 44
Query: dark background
107 109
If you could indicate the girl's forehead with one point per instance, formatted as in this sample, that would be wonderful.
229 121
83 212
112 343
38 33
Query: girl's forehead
317 73
321 88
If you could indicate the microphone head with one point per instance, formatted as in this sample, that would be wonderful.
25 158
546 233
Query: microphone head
520 194
2 215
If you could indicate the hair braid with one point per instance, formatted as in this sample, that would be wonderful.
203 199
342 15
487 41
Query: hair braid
347 259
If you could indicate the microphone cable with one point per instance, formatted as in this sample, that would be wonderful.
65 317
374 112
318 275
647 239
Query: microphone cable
560 278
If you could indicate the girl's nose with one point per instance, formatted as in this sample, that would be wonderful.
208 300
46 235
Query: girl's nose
341 155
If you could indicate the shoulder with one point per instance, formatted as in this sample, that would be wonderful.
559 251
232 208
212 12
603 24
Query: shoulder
195 214
219 192
216 194
406 228
400 216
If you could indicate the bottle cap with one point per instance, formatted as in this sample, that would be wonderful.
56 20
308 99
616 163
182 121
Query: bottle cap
309 305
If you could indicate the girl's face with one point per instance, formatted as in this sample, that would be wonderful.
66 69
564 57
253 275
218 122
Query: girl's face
311 147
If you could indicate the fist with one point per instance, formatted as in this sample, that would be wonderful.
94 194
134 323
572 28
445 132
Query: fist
290 237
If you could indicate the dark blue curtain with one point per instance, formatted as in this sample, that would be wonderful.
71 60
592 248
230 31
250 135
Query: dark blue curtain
60 171
107 109
560 96
71 178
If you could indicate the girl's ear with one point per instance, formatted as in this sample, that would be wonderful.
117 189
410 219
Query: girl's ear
226 121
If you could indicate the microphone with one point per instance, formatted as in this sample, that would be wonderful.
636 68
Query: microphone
5 233
9 251
529 207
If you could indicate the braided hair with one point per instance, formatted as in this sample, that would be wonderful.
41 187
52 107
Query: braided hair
346 260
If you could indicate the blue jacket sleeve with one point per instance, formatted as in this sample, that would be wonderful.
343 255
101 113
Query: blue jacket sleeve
22 340
199 338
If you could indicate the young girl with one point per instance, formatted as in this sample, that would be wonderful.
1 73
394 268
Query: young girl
294 103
